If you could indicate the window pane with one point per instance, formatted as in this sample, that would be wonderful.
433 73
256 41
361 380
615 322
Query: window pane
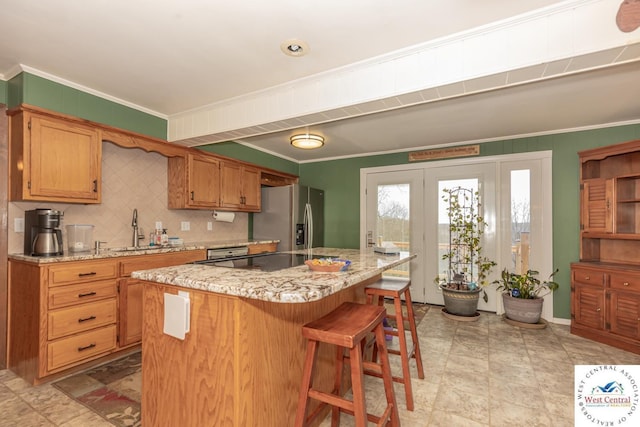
393 222
520 220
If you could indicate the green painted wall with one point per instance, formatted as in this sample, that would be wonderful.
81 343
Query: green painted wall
14 90
3 92
240 152
341 181
30 89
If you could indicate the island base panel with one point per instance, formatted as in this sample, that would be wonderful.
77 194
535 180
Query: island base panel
241 363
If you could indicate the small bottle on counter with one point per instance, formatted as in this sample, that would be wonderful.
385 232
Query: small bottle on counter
158 237
164 238
152 238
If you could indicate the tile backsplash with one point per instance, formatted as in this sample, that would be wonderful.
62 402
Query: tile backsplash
132 178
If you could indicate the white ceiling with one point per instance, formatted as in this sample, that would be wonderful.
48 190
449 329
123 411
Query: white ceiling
169 57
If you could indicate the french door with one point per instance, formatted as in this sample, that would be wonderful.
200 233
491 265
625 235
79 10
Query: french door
480 179
392 217
403 205
525 221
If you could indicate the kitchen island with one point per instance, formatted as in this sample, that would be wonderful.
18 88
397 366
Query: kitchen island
241 362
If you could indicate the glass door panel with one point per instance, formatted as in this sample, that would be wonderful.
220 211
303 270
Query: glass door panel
394 203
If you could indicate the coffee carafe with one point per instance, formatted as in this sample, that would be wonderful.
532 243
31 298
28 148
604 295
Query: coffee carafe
42 235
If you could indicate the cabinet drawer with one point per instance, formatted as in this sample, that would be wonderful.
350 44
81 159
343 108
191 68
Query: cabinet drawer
63 296
66 273
81 318
146 262
78 347
629 282
588 277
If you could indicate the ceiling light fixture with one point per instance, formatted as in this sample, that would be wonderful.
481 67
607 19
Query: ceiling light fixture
307 141
294 47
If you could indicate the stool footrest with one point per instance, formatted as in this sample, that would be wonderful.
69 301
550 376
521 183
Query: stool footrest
331 399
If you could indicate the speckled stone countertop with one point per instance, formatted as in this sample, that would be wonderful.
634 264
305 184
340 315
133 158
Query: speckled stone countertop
131 251
290 285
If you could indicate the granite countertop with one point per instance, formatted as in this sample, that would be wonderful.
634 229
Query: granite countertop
291 285
131 251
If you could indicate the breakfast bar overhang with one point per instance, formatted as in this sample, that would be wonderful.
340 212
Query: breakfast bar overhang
241 362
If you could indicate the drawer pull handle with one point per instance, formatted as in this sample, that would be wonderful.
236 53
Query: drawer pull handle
625 284
88 294
587 278
93 273
86 319
87 347
598 309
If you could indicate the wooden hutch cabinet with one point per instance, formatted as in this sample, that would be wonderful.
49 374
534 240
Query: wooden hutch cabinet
605 284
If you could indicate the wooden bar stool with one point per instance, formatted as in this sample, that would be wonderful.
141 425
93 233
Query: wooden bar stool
396 288
346 327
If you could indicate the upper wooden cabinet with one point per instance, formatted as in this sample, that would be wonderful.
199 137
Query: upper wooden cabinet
597 209
610 204
240 188
194 182
53 159
57 157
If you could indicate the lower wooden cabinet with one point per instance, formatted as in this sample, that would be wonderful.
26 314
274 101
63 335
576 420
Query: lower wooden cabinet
130 326
131 308
66 314
605 304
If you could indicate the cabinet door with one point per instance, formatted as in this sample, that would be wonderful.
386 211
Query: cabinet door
231 185
64 161
624 309
130 311
251 189
597 209
589 306
204 182
240 187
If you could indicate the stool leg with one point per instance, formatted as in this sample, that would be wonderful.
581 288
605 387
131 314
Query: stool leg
404 353
387 379
307 375
337 385
414 334
374 353
357 384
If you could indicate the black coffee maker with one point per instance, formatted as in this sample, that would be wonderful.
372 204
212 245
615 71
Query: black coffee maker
42 235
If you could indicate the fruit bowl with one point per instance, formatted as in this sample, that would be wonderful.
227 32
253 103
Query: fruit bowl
328 265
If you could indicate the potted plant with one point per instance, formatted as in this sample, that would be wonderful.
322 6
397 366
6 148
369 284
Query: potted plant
468 268
523 294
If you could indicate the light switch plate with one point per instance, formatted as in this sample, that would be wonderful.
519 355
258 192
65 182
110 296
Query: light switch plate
158 225
185 226
209 226
18 225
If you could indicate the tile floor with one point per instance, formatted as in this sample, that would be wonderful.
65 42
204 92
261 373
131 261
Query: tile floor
484 373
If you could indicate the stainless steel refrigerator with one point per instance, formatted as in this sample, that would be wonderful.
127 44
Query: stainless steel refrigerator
293 214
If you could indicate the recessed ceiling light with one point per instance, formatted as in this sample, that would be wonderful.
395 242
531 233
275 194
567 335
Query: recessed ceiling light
294 47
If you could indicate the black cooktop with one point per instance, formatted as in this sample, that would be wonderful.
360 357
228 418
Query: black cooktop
263 262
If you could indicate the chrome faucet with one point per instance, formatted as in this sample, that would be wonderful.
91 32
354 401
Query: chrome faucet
134 224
